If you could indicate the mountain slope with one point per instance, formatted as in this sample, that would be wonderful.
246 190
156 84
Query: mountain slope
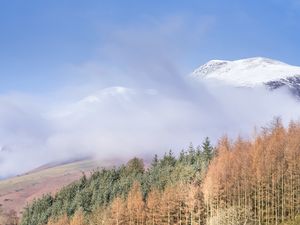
16 192
251 72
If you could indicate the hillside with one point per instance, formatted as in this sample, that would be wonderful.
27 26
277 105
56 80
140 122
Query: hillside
17 191
132 179
241 182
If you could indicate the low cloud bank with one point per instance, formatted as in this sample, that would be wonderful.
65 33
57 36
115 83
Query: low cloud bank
121 122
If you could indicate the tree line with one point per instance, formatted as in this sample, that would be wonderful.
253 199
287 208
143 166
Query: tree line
241 182
257 182
128 187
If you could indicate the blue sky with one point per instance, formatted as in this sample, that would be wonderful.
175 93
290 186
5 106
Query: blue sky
93 77
41 40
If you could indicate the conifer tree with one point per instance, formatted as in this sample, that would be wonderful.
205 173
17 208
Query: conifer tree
154 161
207 150
135 205
153 207
118 211
63 220
78 218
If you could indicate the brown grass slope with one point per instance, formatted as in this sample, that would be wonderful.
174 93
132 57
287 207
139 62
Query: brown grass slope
16 192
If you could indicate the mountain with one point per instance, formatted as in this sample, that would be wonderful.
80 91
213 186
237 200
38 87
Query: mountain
251 72
17 191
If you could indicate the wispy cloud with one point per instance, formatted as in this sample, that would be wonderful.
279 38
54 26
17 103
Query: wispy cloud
133 98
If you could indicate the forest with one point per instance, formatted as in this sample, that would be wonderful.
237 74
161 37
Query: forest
253 181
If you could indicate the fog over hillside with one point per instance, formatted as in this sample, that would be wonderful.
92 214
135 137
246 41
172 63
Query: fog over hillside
131 101
126 121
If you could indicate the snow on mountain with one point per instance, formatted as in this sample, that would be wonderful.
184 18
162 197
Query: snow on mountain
246 72
251 72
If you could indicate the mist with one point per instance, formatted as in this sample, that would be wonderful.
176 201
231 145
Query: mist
135 98
121 122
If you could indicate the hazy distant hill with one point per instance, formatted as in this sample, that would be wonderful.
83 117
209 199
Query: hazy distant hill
17 191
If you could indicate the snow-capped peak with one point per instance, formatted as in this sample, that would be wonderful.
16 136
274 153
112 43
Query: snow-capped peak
246 72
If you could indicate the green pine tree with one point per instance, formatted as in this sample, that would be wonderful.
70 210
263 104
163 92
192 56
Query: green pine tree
207 150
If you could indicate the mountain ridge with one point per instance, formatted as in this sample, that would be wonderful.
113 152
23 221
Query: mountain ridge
251 72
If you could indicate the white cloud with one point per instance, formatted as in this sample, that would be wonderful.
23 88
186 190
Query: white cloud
123 122
132 99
